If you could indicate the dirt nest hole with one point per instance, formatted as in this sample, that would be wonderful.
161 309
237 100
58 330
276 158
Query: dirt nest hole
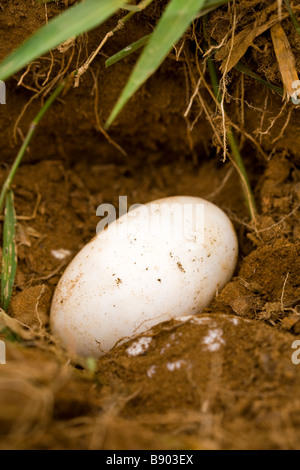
223 379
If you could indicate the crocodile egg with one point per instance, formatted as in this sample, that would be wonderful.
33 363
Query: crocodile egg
163 260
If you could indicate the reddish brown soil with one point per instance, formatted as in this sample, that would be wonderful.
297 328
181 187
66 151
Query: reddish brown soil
241 394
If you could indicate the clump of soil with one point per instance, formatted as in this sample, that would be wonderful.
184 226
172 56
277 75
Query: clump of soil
221 380
267 286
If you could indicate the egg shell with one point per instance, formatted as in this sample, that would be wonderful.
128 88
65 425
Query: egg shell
160 261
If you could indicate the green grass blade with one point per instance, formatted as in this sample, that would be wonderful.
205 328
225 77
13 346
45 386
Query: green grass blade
211 5
125 7
293 17
76 20
175 20
245 70
127 51
131 8
9 255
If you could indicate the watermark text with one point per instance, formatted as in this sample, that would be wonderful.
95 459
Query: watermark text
296 354
163 220
2 353
2 92
296 95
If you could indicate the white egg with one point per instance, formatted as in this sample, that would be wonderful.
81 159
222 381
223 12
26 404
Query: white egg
160 261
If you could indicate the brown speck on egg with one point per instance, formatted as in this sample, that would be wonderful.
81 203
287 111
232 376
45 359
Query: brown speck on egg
180 267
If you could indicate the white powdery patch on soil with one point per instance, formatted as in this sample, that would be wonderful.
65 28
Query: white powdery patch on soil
151 371
214 339
203 321
60 254
171 366
199 320
139 347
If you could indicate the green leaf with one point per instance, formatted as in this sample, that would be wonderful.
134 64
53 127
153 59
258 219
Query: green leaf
131 8
211 5
9 254
245 70
175 20
127 51
76 20
293 17
126 7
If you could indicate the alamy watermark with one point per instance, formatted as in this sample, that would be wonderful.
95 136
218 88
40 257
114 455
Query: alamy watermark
2 92
2 353
165 221
296 95
296 354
